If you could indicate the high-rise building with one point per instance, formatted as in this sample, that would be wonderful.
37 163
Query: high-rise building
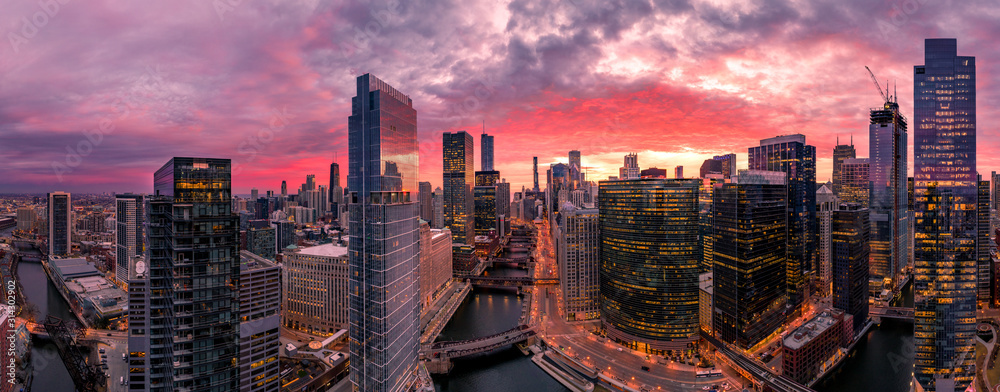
438 209
840 153
284 234
534 161
314 286
426 204
945 202
27 219
706 220
487 146
60 212
129 217
849 249
636 271
503 199
854 182
653 172
435 263
334 179
826 203
284 188
578 254
260 322
254 194
790 154
575 169
184 332
679 172
710 167
310 182
728 162
995 202
630 170
485 209
458 182
749 293
984 277
384 245
890 236
260 239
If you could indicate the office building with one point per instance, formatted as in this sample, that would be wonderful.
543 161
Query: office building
314 289
630 170
679 172
260 322
653 173
60 210
438 222
849 248
426 203
284 188
984 276
458 183
534 171
187 286
261 239
890 234
809 349
705 289
485 209
749 294
706 220
840 153
503 200
854 181
994 202
130 214
945 202
826 203
728 162
636 271
26 218
310 184
711 167
575 169
790 154
284 234
435 263
487 146
384 243
578 253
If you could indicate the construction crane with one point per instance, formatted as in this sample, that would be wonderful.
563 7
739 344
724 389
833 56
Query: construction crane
884 94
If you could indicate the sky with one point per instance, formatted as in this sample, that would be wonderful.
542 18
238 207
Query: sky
97 95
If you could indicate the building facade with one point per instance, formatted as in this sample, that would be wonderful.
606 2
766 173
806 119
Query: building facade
426 202
60 210
854 181
129 218
260 322
459 180
486 142
384 243
578 253
945 202
314 289
809 347
840 153
850 250
890 235
826 203
649 246
435 262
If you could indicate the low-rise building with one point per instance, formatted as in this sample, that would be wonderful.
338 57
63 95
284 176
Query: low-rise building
814 347
705 301
314 288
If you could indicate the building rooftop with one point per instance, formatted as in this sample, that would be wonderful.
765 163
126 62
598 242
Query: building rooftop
250 261
705 282
326 250
811 329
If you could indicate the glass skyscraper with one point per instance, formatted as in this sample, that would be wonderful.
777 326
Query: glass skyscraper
649 262
60 212
849 239
458 171
383 246
887 149
945 202
791 155
750 218
487 147
840 153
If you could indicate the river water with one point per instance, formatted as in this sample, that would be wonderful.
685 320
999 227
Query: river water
881 362
50 373
484 313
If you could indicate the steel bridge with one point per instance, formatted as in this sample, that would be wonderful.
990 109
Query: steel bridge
466 348
878 313
86 377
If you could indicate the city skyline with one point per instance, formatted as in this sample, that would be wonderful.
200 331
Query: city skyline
526 90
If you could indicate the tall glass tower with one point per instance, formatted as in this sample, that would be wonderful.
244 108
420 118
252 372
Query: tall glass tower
383 247
887 142
60 223
840 153
791 155
945 202
458 172
487 146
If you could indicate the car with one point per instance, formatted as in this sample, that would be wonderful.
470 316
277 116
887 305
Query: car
645 368
109 333
620 349
124 357
121 380
101 350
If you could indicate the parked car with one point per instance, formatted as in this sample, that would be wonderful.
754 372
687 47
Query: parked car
645 368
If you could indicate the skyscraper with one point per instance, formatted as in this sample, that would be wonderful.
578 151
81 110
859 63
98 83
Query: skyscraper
485 199
984 277
791 155
438 209
310 182
849 252
129 218
534 161
383 247
575 169
578 254
855 184
636 270
887 141
60 212
260 315
711 167
945 202
994 202
840 153
679 172
426 205
630 170
334 180
503 200
487 146
459 205
826 203
185 332
284 188
728 164
749 257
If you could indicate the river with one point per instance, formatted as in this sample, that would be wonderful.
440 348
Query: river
881 362
487 312
50 373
